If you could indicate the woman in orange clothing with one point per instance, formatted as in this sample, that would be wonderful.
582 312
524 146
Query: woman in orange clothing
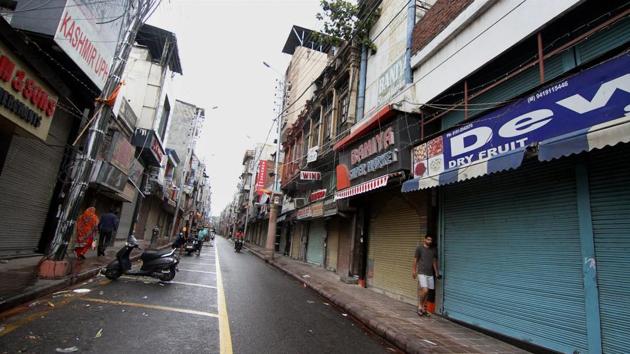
86 229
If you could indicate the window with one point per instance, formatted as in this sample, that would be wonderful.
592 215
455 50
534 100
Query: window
316 130
344 105
164 118
328 115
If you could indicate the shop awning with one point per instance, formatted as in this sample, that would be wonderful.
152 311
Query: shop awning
596 137
502 162
362 188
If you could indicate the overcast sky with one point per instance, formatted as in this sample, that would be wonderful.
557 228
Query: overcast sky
222 44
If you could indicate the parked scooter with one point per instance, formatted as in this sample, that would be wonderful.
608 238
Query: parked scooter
160 264
238 245
192 245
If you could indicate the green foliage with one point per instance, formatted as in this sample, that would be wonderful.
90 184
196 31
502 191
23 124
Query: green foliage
341 23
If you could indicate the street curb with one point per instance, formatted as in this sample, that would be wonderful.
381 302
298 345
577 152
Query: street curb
64 283
389 334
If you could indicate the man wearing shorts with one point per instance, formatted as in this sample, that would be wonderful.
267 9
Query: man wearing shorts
424 266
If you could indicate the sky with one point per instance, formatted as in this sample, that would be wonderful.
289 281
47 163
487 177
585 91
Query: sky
222 44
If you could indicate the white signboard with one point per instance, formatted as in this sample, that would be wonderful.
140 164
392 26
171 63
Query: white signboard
88 33
311 156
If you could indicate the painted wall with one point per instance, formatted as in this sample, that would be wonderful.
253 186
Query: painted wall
480 33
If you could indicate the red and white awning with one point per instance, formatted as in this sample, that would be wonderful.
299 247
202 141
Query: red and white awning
362 188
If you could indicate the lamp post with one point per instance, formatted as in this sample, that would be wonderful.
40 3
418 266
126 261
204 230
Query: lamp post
275 193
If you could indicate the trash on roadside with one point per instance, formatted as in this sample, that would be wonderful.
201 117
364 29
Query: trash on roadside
99 333
344 314
123 310
87 305
34 303
101 292
304 284
145 297
428 341
310 301
2 329
306 276
61 292
67 350
310 331
161 284
145 314
327 304
81 291
32 337
51 304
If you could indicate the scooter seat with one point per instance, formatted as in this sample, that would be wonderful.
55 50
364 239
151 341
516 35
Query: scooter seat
153 254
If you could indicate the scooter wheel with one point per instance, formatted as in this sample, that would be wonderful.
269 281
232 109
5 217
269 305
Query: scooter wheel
168 276
113 274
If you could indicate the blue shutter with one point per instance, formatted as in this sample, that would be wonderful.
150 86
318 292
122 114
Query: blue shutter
610 208
315 246
512 260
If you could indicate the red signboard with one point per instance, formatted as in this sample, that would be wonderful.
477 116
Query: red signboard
261 177
317 195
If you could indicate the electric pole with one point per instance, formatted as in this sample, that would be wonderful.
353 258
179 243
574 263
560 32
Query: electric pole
136 14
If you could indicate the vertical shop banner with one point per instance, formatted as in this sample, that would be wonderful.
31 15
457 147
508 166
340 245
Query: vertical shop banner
88 33
600 94
261 177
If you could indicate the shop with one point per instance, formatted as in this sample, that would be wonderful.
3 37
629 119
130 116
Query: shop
534 210
387 225
33 136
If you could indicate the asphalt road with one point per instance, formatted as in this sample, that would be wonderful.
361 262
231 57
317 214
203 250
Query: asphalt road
241 305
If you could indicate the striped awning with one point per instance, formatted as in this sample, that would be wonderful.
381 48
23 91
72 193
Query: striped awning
362 188
595 137
498 163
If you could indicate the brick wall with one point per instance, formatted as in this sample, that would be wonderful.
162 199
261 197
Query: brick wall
435 20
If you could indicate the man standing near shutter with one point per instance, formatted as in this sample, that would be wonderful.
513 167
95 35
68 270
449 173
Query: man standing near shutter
424 266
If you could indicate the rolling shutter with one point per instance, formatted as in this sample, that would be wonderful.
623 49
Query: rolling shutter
610 208
315 245
28 180
332 244
396 228
512 260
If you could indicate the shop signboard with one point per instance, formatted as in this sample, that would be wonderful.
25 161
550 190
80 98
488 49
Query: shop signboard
330 207
311 156
150 146
317 195
310 176
598 95
88 32
25 100
121 152
261 177
304 213
317 209
381 151
110 176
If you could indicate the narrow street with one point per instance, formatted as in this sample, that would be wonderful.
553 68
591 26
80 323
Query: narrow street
267 311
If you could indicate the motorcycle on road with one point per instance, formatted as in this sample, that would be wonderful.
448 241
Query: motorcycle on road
160 264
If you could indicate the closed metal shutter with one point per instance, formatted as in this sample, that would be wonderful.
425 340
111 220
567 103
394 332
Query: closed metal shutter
396 228
126 215
315 246
512 261
27 183
610 208
332 244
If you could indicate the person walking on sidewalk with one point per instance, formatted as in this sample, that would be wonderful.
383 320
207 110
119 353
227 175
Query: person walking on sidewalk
86 229
424 266
106 228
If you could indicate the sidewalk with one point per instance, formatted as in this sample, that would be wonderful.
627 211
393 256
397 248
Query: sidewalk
392 319
19 282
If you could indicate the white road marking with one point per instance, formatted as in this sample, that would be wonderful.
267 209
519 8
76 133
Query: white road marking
197 271
147 306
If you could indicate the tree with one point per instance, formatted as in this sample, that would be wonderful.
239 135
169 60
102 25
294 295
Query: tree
344 21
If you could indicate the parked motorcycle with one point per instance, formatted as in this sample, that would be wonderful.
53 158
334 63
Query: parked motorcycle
192 245
238 245
160 264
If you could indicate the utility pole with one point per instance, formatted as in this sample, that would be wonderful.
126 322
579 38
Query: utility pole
137 12
276 194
